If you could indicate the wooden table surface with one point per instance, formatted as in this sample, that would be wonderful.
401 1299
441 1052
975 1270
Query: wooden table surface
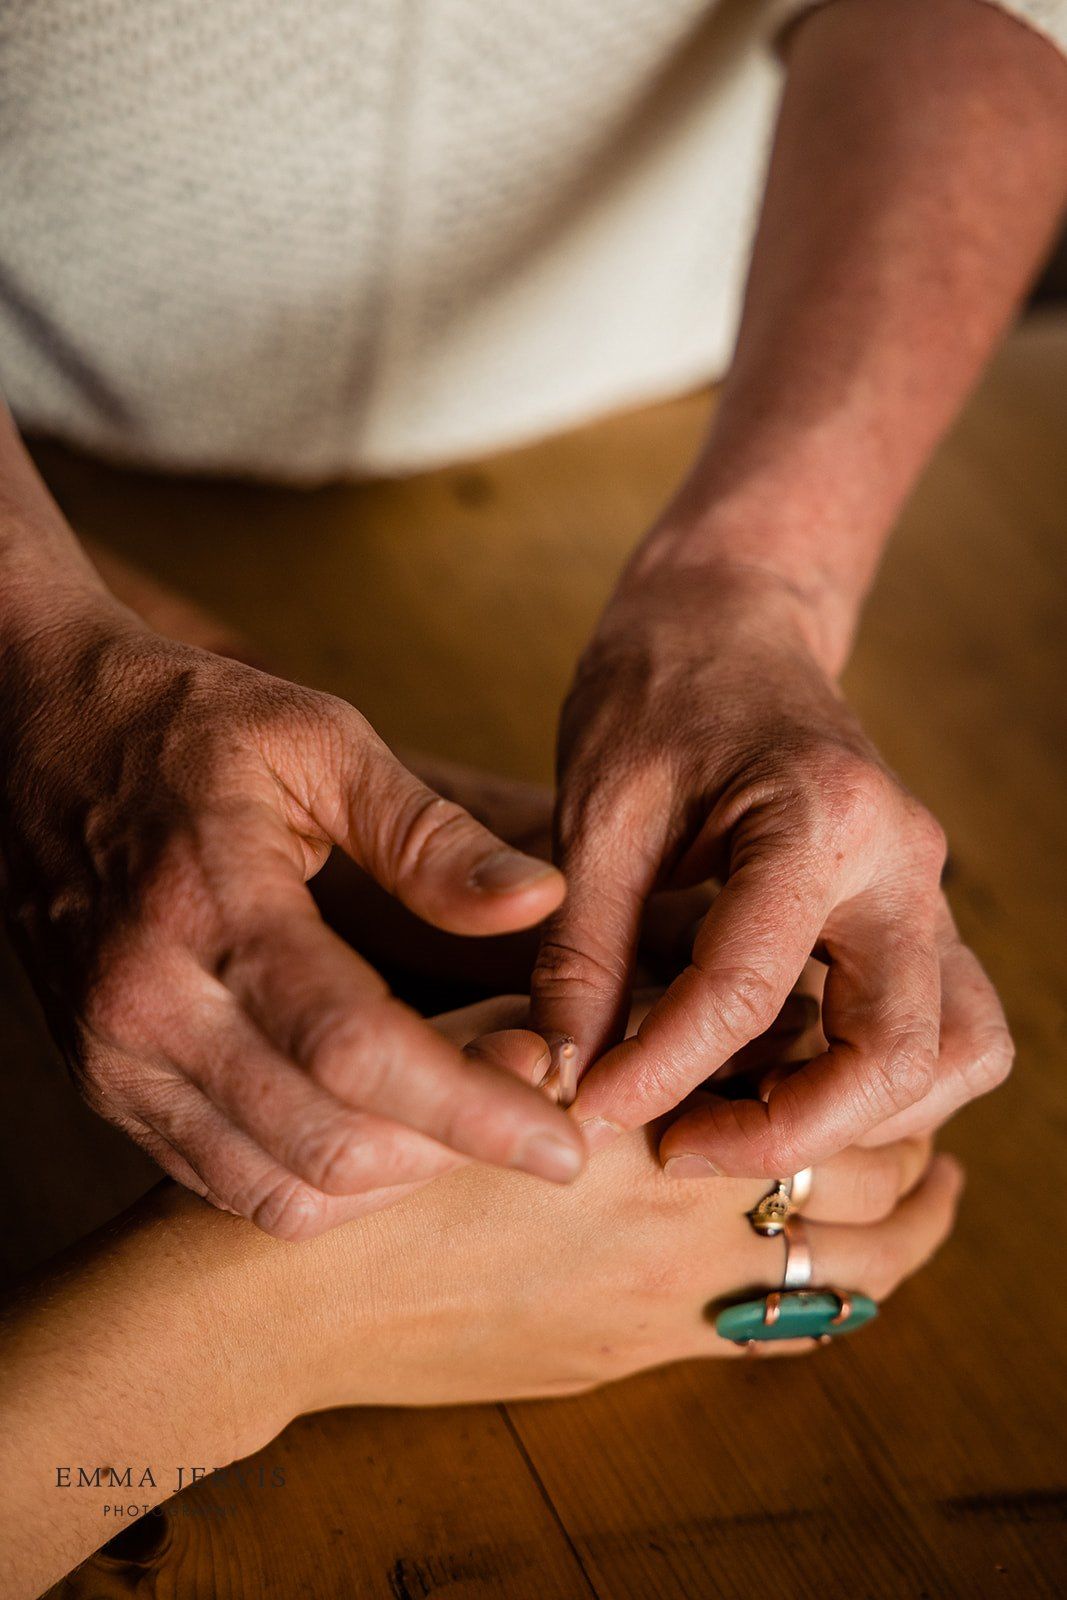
924 1458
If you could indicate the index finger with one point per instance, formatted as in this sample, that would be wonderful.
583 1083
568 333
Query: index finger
749 952
325 1009
579 987
881 1014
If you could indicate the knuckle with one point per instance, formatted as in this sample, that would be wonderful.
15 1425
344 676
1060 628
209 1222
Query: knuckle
751 1002
777 1152
289 713
882 1261
733 1005
326 710
348 1047
768 1147
853 795
290 1210
333 1156
764 1144
905 1072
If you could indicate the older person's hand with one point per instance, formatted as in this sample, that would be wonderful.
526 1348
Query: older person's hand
702 738
162 810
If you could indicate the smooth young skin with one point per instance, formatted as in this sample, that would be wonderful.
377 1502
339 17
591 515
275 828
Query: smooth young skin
185 1336
919 167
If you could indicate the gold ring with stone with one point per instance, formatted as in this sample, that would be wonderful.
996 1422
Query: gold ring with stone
770 1215
795 1310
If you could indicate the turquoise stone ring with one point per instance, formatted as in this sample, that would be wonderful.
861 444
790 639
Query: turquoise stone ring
804 1314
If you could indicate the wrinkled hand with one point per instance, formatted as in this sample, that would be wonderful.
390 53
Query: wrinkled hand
395 939
163 810
701 738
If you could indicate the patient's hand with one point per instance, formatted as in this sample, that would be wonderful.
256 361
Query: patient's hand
198 1337
485 1285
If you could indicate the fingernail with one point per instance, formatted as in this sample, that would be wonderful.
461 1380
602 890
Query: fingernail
506 870
548 1157
690 1166
598 1132
542 1068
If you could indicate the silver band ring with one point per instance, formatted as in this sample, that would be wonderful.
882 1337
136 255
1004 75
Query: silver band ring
799 1266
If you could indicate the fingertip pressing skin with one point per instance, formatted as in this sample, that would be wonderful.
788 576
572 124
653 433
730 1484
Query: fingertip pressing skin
516 1050
545 1155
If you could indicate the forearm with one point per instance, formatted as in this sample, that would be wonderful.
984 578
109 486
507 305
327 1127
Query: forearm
916 178
156 1345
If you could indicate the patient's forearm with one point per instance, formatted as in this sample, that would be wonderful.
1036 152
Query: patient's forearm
154 1346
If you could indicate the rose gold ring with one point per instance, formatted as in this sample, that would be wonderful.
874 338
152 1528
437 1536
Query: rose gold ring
772 1309
844 1309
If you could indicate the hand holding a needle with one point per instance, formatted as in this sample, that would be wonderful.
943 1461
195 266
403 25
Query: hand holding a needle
739 760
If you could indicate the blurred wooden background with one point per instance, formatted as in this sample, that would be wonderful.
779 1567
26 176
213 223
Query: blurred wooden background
925 1458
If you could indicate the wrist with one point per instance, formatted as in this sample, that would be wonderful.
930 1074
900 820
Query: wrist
716 583
232 1292
44 572
52 605
774 539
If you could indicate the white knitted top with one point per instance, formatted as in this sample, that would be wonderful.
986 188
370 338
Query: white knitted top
304 238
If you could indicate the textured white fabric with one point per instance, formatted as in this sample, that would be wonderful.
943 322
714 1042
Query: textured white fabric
305 238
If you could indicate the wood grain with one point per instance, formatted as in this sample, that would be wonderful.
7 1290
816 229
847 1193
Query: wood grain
925 1458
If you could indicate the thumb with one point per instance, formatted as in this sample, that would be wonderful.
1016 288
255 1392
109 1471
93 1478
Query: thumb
525 1055
429 852
497 1031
